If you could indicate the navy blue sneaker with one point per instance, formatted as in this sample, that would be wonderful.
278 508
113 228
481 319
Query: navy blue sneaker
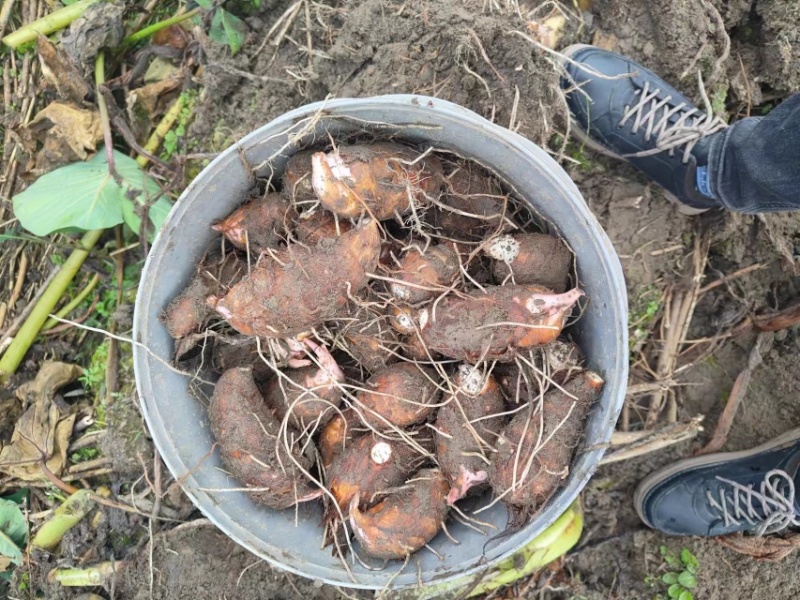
717 494
621 109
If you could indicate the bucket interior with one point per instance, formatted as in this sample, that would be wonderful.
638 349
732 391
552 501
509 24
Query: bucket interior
177 420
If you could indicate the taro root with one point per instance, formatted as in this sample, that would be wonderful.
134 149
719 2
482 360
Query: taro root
495 324
369 465
297 178
369 338
464 434
189 312
380 180
301 287
260 224
342 429
532 258
313 227
311 394
421 276
415 349
562 358
473 203
402 393
404 521
539 471
404 320
246 432
239 352
559 359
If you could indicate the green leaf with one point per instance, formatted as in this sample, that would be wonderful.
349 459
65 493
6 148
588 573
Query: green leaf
157 213
687 580
83 195
689 560
13 530
207 4
686 595
669 578
19 496
228 29
670 558
674 590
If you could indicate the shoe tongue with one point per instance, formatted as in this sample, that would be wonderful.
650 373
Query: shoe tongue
702 149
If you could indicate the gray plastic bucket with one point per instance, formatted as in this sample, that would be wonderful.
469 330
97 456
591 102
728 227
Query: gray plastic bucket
178 422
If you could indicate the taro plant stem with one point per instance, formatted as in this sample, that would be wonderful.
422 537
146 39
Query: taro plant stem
156 27
44 307
56 20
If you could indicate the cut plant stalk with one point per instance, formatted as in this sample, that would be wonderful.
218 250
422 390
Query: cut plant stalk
73 304
56 20
161 130
91 576
156 27
64 518
44 307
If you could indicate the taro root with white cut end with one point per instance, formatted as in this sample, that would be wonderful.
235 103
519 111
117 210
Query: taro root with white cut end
531 258
532 460
301 287
380 180
421 275
402 394
405 520
494 325
367 466
404 319
258 225
466 430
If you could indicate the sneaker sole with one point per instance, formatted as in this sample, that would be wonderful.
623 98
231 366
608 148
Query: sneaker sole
578 133
649 482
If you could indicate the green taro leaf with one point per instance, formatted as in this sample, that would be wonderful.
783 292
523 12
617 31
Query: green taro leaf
157 213
686 595
228 29
84 195
674 590
19 496
13 530
669 578
207 4
687 580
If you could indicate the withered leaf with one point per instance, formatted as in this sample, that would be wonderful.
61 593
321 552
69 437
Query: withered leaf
100 26
68 133
59 70
43 428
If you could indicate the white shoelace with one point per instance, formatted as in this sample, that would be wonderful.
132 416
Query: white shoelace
776 503
690 127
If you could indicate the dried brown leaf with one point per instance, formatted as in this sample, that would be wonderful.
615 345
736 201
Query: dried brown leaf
60 72
68 133
43 428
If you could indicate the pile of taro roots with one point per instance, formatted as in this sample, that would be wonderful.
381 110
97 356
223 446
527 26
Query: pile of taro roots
388 332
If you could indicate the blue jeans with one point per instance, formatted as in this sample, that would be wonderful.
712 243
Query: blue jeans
755 164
